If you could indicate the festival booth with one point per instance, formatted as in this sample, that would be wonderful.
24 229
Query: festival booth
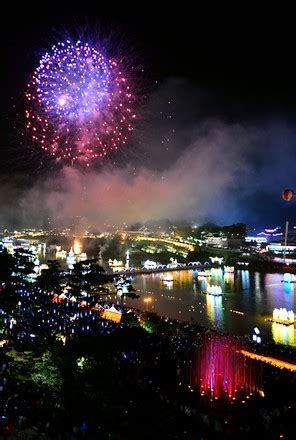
112 314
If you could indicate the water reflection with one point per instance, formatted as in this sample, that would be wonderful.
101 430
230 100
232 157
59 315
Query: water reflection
215 308
254 294
283 334
229 279
245 278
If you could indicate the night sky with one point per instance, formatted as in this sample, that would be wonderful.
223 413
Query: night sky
229 77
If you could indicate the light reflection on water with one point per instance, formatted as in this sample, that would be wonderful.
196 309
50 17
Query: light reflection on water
254 294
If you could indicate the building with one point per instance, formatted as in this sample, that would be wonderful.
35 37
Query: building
215 240
279 248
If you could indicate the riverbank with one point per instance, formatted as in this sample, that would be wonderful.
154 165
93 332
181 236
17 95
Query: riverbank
154 323
267 267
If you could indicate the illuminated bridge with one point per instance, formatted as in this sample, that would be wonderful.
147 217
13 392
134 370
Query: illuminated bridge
181 244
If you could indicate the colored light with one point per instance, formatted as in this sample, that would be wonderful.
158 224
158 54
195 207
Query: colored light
218 369
80 103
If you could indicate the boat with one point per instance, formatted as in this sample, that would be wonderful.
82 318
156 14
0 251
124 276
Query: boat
213 290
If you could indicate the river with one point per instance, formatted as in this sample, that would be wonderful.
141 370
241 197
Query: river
247 302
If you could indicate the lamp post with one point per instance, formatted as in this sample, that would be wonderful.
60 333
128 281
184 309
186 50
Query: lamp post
286 238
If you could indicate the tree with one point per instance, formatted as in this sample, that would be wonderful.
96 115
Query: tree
12 270
24 265
50 279
47 377
87 275
7 266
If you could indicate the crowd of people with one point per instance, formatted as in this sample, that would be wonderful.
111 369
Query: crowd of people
67 373
118 380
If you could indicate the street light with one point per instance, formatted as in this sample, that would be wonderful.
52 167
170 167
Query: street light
147 301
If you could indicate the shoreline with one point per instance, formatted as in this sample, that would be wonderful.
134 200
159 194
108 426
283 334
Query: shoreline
287 353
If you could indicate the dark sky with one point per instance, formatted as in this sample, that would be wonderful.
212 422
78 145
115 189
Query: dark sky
232 52
243 60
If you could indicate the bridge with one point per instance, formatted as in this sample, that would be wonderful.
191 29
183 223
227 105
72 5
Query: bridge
163 268
182 244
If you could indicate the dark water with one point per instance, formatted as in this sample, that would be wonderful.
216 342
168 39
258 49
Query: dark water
252 293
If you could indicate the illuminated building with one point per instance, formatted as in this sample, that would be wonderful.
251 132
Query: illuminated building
116 265
255 239
8 245
279 248
112 314
215 240
60 253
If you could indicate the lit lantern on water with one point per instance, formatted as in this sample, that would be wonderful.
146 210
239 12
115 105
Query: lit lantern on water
283 316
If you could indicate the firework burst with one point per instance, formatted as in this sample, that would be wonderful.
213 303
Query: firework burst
80 103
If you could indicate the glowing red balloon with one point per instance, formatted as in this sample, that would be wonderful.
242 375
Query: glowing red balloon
288 195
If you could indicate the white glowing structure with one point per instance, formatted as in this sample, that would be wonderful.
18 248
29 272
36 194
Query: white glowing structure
289 278
214 290
115 263
149 264
61 254
216 260
228 269
283 316
127 259
173 263
71 259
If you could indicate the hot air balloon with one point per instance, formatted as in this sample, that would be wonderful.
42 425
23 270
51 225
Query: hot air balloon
288 195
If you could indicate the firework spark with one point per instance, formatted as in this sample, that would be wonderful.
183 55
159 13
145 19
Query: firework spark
80 103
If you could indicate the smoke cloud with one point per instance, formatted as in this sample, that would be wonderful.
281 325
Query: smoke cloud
187 162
